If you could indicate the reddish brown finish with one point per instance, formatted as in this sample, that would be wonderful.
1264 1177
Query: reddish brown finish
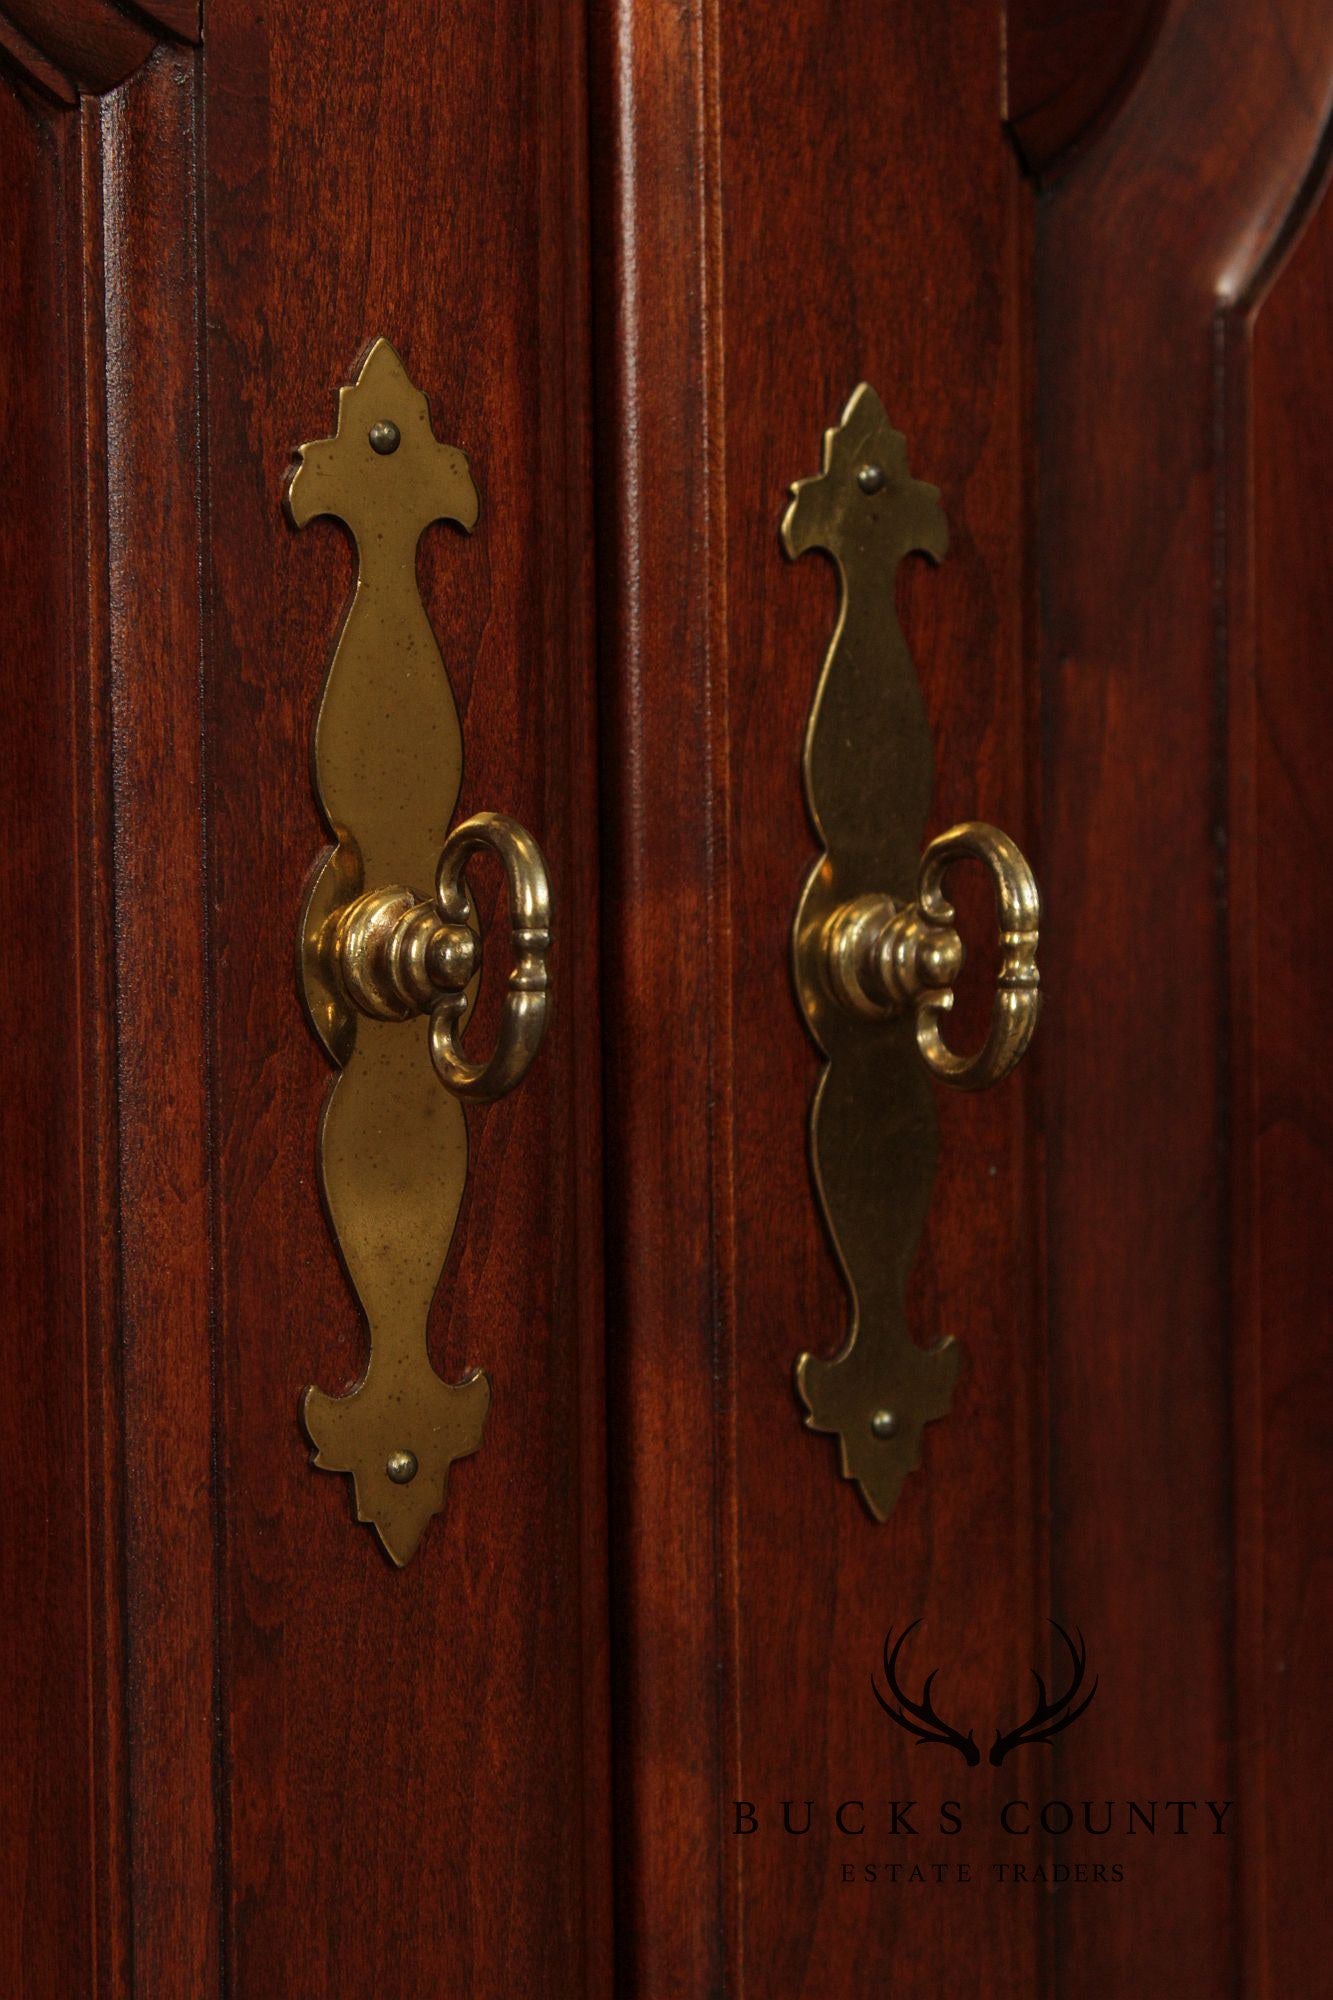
1143 539
337 1778
30 63
93 43
817 1582
148 143
1068 64
407 1756
68 45
755 1688
763 260
240 1753
179 17
57 1409
1281 906
666 942
128 1233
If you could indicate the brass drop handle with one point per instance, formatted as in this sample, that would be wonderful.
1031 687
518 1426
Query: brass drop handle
883 958
395 956
386 967
875 952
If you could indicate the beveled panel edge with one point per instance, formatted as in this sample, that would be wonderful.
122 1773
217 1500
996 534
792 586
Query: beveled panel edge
67 47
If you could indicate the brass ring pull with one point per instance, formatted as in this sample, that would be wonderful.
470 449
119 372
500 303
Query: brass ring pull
393 956
385 966
523 1021
875 969
1017 995
881 957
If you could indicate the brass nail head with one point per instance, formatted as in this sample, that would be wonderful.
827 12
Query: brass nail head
385 437
402 1467
884 1424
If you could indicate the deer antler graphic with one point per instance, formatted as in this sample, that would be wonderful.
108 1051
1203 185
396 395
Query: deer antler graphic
920 1719
1048 1718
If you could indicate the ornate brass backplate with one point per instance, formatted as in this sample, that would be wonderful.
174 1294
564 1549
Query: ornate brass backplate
875 951
384 971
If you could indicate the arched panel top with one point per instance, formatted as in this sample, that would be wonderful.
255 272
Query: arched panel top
65 46
1067 70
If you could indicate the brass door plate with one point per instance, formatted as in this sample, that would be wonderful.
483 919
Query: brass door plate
384 971
875 952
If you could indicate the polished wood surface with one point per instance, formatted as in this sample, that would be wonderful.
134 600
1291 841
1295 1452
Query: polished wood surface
245 1752
1149 256
62 1906
665 944
1068 66
1281 905
147 140
65 46
1057 369
413 1762
638 255
753 1590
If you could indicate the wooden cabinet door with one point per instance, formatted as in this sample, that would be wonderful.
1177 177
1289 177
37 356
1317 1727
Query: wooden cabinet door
621 1725
1098 323
242 1751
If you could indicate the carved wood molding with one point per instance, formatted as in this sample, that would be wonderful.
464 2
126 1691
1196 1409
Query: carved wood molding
1068 69
68 46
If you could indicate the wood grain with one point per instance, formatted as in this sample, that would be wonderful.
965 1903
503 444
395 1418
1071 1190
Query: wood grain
149 163
1155 232
1142 250
758 259
1068 66
665 943
240 1753
53 1272
242 1749
410 1755
70 45
1280 909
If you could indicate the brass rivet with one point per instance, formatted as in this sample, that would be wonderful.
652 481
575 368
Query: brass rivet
385 437
402 1467
870 478
884 1424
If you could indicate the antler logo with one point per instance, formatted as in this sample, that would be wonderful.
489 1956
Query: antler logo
1048 1718
922 1722
919 1718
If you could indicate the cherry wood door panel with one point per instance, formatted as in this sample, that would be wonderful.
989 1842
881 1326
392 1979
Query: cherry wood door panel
1280 742
65 46
1070 367
831 236
147 139
407 1755
659 245
1068 65
58 1824
109 1682
1171 1338
253 1755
